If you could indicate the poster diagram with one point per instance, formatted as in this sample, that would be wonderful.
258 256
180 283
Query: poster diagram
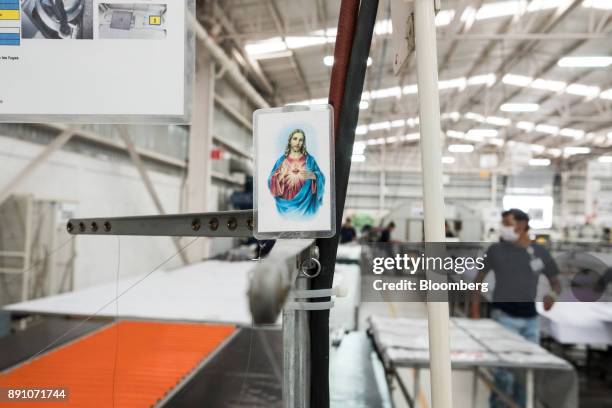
132 21
120 61
57 19
9 22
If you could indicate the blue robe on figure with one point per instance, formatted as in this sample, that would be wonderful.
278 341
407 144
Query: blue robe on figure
296 197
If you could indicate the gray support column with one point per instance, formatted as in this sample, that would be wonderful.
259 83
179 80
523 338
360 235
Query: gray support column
199 179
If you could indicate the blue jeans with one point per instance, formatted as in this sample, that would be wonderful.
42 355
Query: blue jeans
529 328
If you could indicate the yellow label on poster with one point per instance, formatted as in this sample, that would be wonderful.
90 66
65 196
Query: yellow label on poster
154 20
9 14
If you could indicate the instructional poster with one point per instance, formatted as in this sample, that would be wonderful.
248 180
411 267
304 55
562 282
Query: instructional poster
102 60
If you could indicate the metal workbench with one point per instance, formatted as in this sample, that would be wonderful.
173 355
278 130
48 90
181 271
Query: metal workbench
475 345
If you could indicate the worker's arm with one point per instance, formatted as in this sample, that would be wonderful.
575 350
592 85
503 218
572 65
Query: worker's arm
551 298
552 273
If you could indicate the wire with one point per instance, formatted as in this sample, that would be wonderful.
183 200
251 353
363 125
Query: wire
248 367
80 324
116 314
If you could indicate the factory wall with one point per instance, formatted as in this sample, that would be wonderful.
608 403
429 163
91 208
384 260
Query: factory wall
97 186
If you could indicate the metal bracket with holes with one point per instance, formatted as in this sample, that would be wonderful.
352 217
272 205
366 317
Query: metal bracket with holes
238 224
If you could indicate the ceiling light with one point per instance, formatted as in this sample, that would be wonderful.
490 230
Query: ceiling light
498 9
448 160
483 132
516 80
383 27
606 94
585 62
271 45
497 121
548 85
599 140
452 83
536 148
392 139
553 151
496 141
361 130
461 148
386 92
537 5
519 107
598 4
469 15
328 60
539 162
487 79
359 158
306 41
474 116
359 147
455 134
474 138
379 126
411 136
444 17
410 89
398 123
572 150
526 126
575 133
605 159
583 90
364 105
549 129
454 116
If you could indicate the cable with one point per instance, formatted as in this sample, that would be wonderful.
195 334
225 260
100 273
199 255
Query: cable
349 116
116 314
80 324
248 366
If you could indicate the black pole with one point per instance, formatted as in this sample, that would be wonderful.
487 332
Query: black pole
349 116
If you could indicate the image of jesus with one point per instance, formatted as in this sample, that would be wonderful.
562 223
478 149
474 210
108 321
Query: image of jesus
296 182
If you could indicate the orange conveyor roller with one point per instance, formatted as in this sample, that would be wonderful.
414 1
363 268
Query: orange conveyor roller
133 362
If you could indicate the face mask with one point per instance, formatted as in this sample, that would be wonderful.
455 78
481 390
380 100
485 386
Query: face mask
508 234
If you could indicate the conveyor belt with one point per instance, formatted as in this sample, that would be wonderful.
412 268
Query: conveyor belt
22 345
229 379
151 359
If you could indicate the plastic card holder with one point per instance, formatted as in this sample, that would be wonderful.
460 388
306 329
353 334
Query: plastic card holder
294 185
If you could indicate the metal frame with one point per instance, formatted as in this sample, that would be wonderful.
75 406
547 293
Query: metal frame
289 265
413 400
236 224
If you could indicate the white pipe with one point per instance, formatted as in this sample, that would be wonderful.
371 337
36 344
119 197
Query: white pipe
433 200
233 72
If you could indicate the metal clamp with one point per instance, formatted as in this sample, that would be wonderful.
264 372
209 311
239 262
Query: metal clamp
311 268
